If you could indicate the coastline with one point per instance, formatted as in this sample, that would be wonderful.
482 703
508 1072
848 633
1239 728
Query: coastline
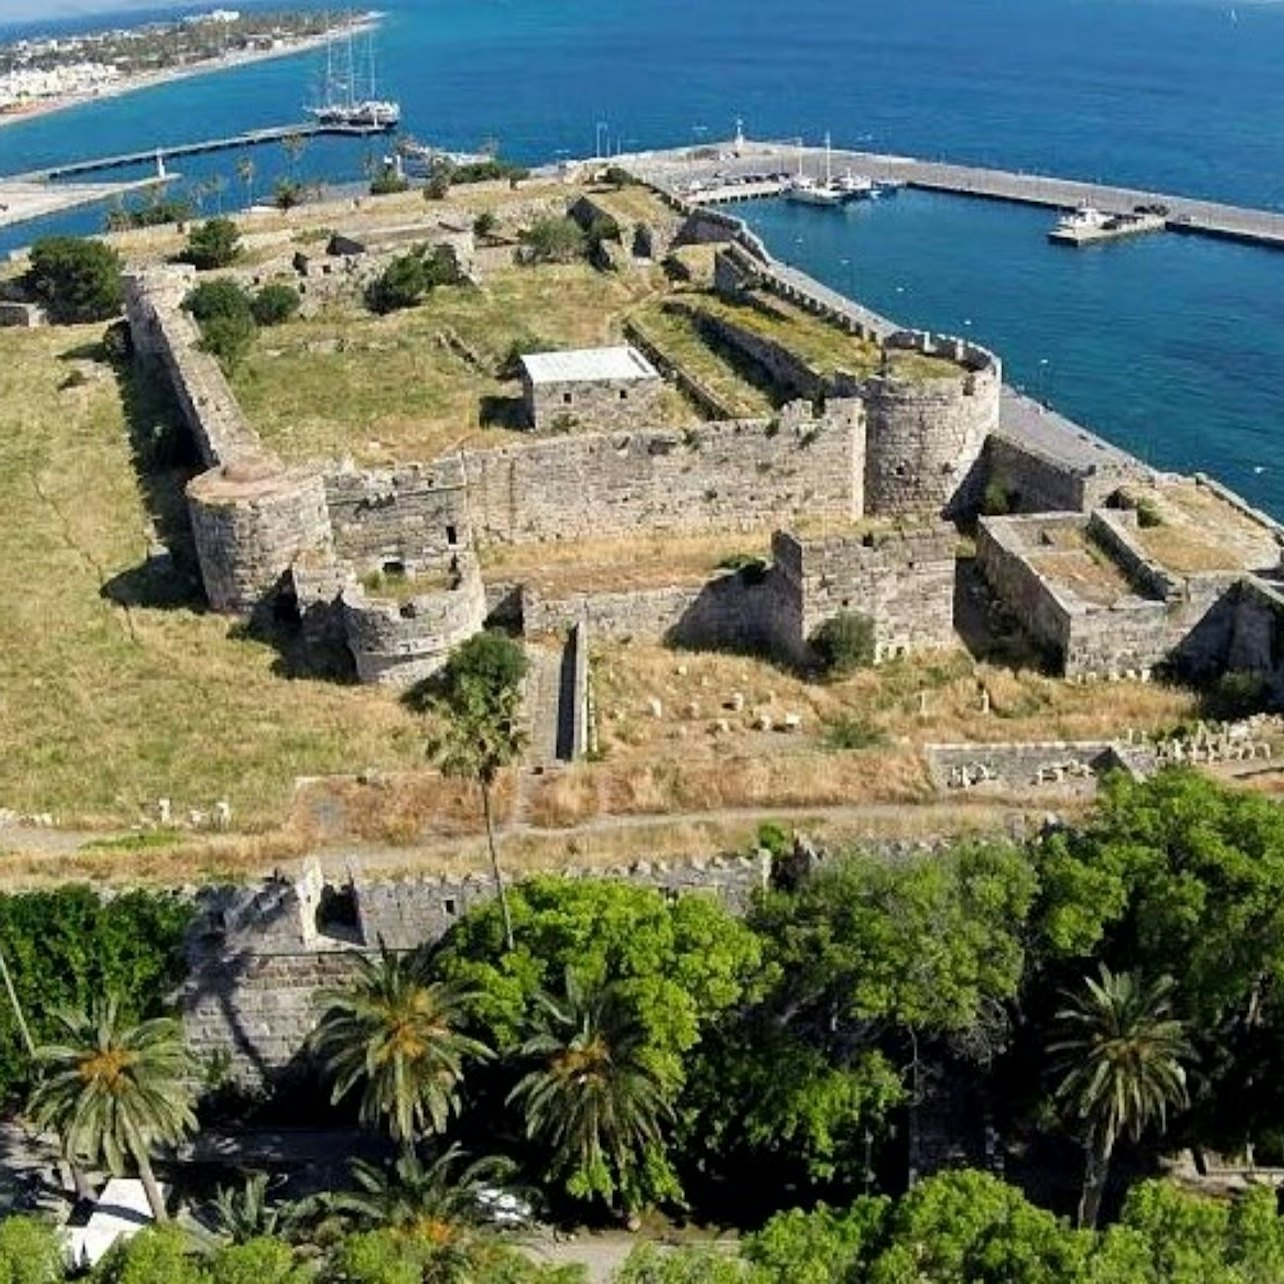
150 80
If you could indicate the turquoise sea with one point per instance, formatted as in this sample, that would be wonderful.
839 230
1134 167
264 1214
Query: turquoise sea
1174 347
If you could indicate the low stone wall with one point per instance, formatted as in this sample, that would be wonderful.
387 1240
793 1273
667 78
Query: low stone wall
1069 765
21 316
703 396
785 369
1031 482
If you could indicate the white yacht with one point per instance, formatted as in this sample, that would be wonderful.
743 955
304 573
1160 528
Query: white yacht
805 190
340 105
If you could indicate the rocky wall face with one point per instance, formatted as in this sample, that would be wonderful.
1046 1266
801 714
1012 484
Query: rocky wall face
250 524
735 476
607 405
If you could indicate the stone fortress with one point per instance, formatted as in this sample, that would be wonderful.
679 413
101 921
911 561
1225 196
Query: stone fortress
863 472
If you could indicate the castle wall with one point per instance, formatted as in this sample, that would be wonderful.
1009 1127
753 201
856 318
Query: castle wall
1035 483
259 957
415 514
734 475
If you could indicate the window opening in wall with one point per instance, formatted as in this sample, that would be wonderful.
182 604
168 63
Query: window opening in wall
452 536
624 394
394 568
566 398
450 906
337 915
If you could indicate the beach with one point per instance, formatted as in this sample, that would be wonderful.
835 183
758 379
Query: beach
228 62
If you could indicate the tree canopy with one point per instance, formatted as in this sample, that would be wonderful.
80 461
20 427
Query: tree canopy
77 280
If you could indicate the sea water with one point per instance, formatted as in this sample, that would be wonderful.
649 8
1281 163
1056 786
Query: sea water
1171 346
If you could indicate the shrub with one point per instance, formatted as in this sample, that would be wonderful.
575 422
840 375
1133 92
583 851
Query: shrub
275 303
287 194
775 838
402 284
229 338
996 500
221 298
154 213
844 643
555 240
438 186
118 343
213 244
387 182
849 731
1234 695
77 280
29 1252
1149 514
617 177
484 224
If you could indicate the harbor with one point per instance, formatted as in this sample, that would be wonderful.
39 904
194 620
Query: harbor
743 169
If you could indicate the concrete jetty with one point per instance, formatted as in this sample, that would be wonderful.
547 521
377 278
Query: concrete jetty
22 200
723 168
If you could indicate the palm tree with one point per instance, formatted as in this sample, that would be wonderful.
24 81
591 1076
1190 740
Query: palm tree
478 706
396 1033
435 1201
1120 1056
591 1099
245 172
116 1091
243 1213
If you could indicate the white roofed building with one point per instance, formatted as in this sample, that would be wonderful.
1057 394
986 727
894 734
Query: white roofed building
590 388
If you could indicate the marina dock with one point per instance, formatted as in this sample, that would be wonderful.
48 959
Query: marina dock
22 200
235 142
719 174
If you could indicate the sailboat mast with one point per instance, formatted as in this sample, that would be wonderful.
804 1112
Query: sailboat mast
829 177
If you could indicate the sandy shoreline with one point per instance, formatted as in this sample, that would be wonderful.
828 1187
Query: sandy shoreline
170 74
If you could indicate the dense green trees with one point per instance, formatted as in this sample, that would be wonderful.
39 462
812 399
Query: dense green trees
66 946
76 280
554 240
115 1091
409 277
394 1033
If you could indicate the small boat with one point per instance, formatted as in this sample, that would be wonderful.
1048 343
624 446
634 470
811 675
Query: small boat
805 190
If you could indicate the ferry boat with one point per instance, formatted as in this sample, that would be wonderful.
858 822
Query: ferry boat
1088 224
340 107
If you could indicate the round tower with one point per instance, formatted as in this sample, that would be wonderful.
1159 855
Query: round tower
928 413
250 520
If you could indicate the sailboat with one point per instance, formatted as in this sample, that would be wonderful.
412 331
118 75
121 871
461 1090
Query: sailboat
805 190
340 106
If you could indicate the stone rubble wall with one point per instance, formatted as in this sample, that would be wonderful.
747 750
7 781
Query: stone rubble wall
1257 636
1033 482
1071 764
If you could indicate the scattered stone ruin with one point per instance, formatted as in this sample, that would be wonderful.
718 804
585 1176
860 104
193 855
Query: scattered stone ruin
884 461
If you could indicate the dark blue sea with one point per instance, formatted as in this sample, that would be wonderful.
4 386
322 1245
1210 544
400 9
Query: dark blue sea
1173 347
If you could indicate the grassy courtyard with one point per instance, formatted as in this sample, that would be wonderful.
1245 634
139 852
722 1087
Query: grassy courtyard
117 690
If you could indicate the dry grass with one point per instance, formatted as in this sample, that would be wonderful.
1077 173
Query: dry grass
1087 572
387 388
631 204
696 691
620 565
1200 532
108 707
